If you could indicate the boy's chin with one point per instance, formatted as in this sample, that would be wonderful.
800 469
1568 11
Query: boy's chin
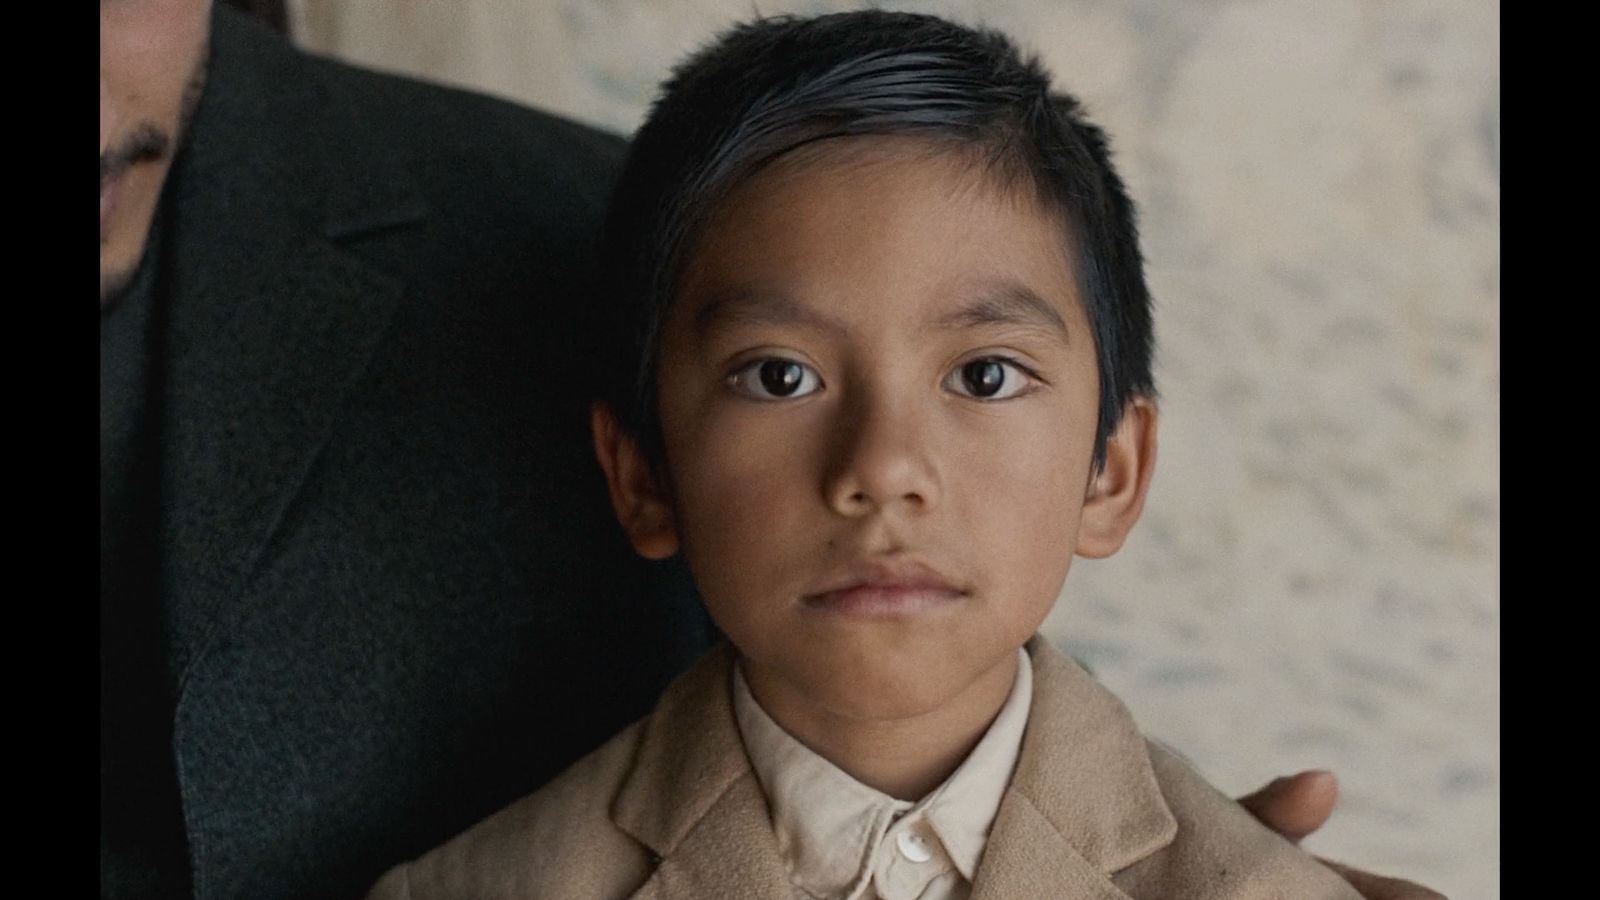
884 705
876 692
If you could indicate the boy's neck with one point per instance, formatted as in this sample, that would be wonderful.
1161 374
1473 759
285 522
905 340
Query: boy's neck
905 758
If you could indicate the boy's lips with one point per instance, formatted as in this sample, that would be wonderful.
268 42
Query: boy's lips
886 588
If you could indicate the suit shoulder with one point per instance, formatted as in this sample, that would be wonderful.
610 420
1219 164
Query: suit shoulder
1220 850
487 166
407 112
561 834
483 121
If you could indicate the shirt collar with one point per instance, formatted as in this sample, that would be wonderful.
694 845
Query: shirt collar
830 827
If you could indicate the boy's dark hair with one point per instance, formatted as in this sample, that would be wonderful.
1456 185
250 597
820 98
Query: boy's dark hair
773 85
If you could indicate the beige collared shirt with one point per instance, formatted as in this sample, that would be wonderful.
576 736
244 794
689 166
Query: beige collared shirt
842 840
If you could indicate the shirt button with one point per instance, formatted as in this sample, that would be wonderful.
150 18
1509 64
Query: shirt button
913 847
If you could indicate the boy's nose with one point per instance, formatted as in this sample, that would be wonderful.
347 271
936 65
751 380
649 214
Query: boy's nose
882 460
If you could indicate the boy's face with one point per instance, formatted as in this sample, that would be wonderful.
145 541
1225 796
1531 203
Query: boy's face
877 396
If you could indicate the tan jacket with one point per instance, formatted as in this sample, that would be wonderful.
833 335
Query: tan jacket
670 808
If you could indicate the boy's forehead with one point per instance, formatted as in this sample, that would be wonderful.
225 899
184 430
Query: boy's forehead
998 302
845 212
966 170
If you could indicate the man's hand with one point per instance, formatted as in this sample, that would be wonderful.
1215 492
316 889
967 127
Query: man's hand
1297 805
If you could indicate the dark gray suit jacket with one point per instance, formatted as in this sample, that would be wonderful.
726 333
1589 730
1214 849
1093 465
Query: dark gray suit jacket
393 596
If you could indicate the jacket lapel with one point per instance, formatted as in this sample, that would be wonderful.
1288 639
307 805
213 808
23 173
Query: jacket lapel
694 801
270 321
730 853
1084 802
1027 856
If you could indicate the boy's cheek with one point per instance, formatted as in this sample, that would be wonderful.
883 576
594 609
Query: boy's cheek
739 507
733 524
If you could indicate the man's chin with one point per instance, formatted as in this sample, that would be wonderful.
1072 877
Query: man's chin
114 281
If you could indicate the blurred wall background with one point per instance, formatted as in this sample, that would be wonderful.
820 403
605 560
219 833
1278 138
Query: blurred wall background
1315 580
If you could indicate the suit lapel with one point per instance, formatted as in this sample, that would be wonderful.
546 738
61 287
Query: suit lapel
1027 856
694 801
269 321
1084 802
730 853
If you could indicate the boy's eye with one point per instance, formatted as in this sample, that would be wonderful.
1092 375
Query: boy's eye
775 379
988 379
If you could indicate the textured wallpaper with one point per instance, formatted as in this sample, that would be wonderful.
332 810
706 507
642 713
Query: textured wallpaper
1315 579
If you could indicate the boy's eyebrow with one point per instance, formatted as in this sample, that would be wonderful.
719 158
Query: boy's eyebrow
1002 302
1007 303
763 308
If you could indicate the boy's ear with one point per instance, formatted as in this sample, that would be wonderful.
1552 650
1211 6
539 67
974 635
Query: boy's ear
636 496
1116 495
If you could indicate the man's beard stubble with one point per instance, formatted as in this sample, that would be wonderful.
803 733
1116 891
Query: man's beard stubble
149 142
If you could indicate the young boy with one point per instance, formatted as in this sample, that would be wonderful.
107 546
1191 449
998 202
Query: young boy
890 370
